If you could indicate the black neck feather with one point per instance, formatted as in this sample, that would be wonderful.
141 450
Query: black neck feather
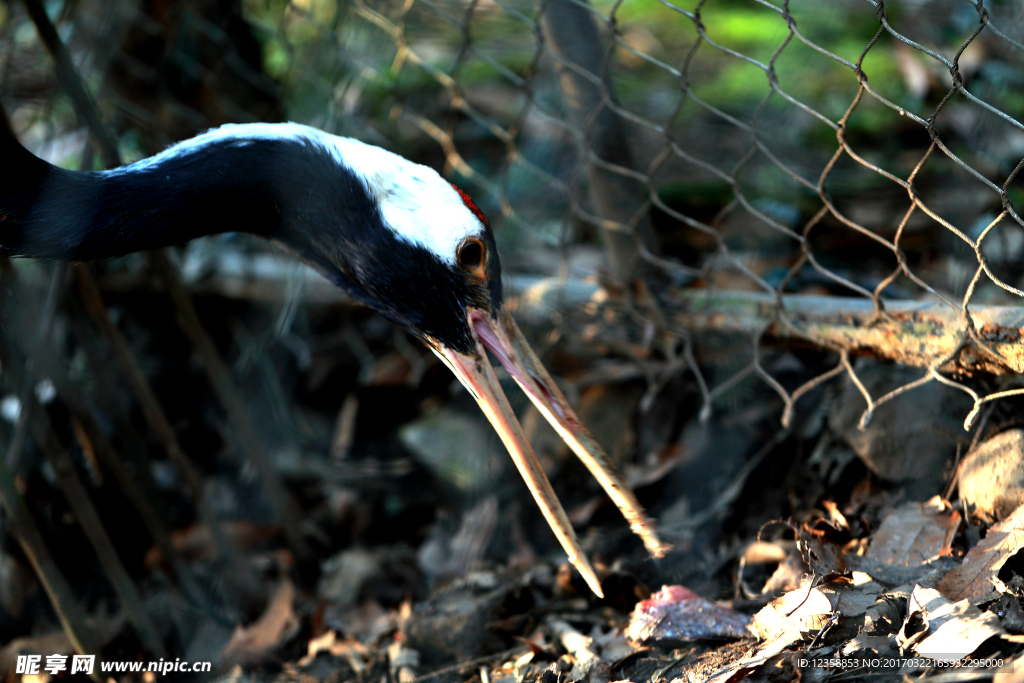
290 190
48 212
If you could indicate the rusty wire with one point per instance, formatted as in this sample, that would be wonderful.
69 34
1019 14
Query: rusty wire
446 79
759 146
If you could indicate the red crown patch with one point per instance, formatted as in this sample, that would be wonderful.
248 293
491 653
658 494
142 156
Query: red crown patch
471 206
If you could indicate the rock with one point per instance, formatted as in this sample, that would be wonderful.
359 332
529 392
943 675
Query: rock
453 624
910 439
677 614
992 477
460 449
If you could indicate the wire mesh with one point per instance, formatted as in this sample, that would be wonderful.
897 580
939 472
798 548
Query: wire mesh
861 151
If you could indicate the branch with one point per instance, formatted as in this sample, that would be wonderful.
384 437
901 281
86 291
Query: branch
914 333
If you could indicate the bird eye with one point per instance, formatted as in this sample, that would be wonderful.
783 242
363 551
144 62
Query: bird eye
471 254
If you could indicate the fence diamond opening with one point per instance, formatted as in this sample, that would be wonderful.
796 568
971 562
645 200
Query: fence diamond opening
844 175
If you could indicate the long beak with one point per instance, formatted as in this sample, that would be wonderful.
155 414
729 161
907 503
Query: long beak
503 338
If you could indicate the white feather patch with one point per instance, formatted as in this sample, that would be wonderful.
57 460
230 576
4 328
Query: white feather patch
416 203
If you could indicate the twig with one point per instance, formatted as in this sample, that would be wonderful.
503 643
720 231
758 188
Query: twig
68 77
89 520
572 38
913 333
217 372
152 411
88 429
463 666
67 477
64 602
228 395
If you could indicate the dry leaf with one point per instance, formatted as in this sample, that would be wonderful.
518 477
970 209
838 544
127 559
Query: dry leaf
928 574
787 576
800 613
354 652
910 535
835 516
955 629
820 552
277 624
741 669
763 552
1012 671
973 579
852 599
879 645
789 617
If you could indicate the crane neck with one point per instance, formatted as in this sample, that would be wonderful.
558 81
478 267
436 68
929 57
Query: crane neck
224 185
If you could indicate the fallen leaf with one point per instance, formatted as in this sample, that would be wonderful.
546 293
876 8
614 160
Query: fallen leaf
955 629
991 478
277 624
354 652
885 617
910 535
1012 671
835 516
852 599
745 667
876 645
973 579
792 616
928 574
799 613
787 576
822 555
763 552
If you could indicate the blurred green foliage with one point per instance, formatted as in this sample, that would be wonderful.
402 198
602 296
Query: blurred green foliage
470 87
384 57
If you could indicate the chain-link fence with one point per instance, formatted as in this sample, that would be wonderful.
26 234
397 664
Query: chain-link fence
743 158
744 195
